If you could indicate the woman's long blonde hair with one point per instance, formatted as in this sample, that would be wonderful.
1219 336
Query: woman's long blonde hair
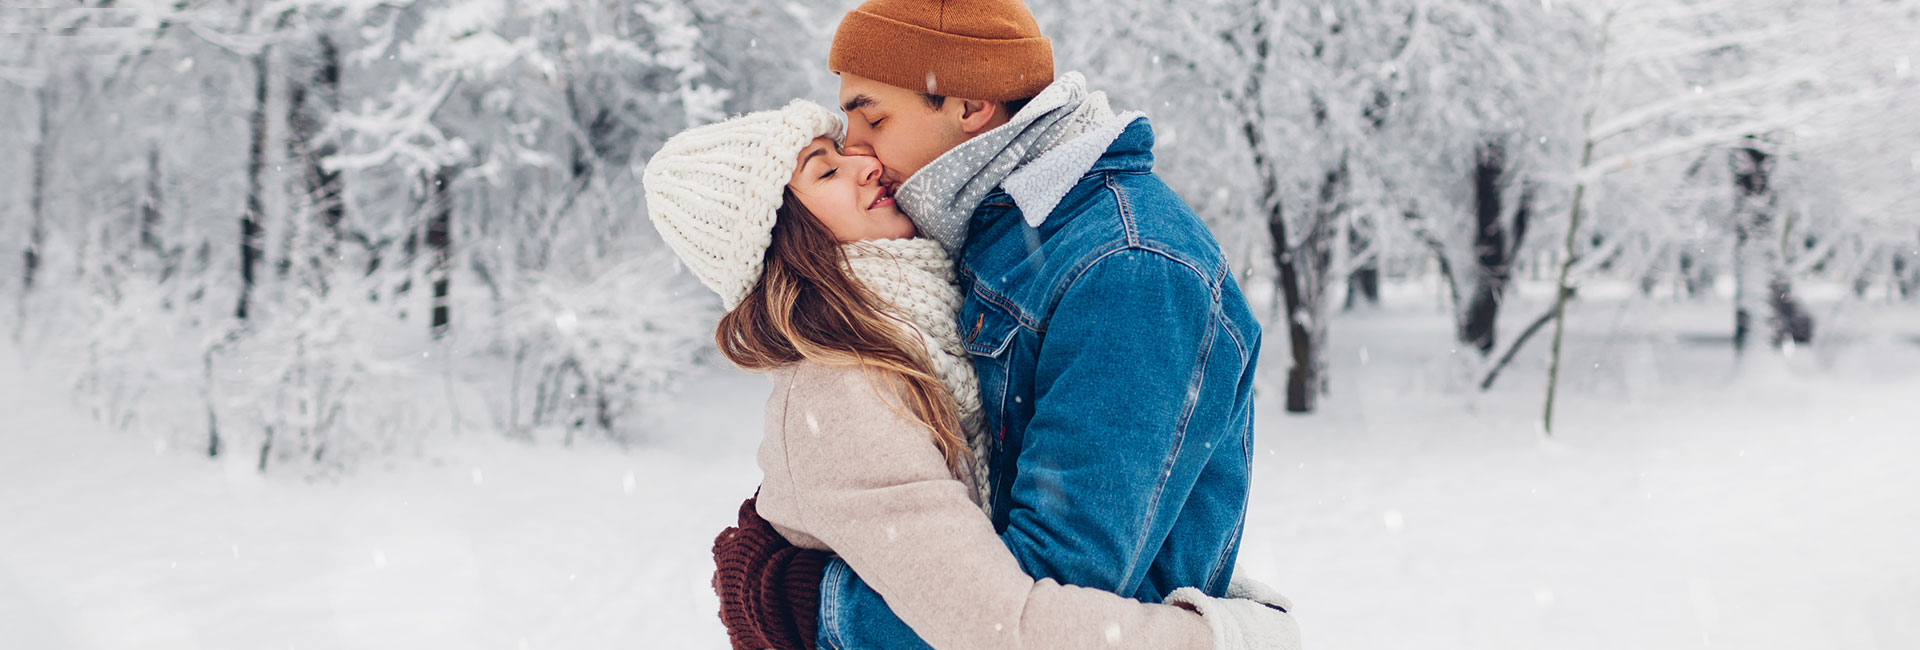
806 307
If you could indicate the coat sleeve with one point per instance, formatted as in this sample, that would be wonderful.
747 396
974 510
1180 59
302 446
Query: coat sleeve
868 482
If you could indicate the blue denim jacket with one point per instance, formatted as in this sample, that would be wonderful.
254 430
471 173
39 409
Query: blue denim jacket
1116 359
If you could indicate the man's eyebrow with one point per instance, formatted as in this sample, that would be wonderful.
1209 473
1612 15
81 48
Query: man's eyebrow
858 102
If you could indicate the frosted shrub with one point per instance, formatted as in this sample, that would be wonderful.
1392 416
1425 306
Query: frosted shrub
592 355
319 384
324 382
135 354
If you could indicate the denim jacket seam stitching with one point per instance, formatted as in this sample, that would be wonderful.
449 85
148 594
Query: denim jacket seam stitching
1218 281
1240 529
1126 210
1097 255
1125 207
1220 316
1073 274
1110 250
1246 439
1217 284
998 456
1159 492
1006 304
1197 380
1220 561
829 618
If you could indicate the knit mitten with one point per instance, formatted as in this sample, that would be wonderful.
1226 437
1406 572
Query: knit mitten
769 589
1252 617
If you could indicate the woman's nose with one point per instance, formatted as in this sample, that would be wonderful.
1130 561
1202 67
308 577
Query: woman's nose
871 174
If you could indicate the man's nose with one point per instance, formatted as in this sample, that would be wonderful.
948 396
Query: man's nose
857 147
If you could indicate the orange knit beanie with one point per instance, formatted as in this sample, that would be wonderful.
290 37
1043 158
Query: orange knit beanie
973 49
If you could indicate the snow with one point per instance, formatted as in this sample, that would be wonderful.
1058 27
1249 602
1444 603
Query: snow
1685 501
112 543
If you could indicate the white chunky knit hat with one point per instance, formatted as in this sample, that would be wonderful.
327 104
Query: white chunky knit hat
712 190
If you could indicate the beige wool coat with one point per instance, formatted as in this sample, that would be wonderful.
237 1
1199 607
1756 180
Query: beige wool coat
849 471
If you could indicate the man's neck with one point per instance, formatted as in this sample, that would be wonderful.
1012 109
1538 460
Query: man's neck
1000 118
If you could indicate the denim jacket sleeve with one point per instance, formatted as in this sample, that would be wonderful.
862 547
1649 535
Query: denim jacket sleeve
1106 459
1117 375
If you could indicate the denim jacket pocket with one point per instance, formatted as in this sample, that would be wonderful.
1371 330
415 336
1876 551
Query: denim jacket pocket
986 328
989 332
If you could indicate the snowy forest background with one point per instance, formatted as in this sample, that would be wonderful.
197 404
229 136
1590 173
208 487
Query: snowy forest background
309 237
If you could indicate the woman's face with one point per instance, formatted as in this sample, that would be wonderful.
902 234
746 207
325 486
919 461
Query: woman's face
846 194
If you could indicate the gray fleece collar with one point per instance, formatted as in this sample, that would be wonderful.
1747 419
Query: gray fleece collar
941 197
1038 186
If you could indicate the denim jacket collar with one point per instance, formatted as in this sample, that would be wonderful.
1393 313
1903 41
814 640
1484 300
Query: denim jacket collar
1038 186
1131 151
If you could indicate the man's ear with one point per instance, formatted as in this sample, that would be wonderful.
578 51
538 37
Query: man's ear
976 115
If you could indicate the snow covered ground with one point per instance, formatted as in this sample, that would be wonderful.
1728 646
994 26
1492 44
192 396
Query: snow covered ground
1684 502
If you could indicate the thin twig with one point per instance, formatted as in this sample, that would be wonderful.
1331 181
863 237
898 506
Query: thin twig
1513 349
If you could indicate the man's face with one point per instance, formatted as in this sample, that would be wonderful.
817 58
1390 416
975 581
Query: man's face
897 126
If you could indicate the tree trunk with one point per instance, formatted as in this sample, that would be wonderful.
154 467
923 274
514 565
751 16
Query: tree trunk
1301 377
1903 282
290 230
1482 312
150 205
164 262
309 105
409 253
1363 282
1304 273
206 399
440 242
1315 263
1760 282
37 203
1689 277
251 231
1496 246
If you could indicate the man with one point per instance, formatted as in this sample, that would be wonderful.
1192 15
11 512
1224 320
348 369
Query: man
1115 352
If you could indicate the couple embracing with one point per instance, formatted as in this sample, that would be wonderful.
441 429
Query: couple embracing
1012 373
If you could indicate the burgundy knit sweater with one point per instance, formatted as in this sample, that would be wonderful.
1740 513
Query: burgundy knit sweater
769 589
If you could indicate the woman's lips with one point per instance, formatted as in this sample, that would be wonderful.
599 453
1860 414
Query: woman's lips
883 199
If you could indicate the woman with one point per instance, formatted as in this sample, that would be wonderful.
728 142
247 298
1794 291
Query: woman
873 447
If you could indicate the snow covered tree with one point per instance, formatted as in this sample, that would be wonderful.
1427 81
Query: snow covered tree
1680 78
1334 116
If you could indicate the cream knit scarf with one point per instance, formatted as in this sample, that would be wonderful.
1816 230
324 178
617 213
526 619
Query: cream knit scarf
915 280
